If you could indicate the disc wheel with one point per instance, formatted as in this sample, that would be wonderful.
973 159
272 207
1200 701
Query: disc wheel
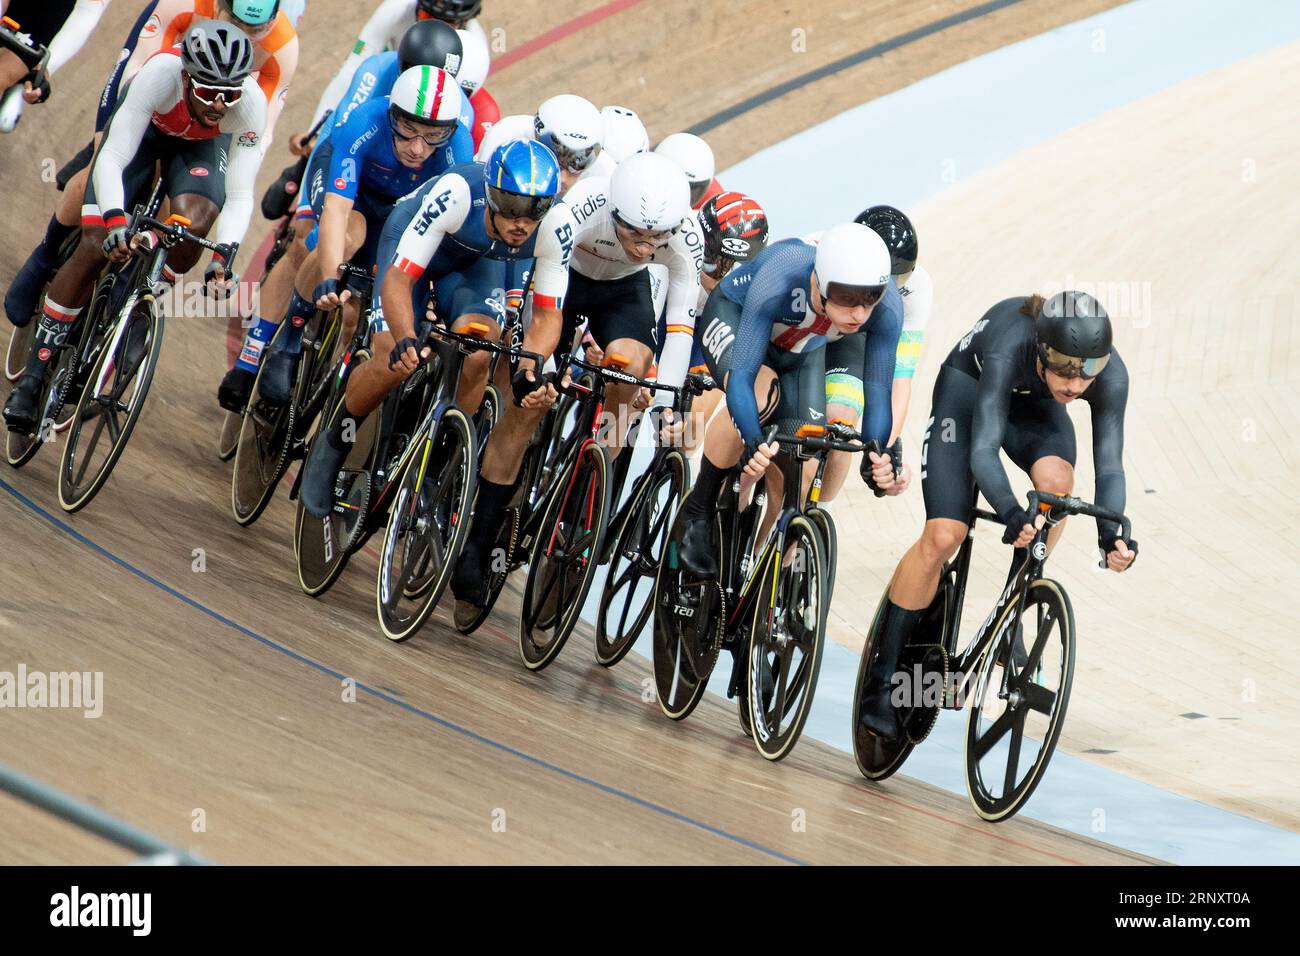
110 404
877 757
427 526
689 622
1020 698
564 556
322 546
627 599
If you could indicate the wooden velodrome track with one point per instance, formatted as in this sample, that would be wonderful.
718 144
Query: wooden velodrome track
224 686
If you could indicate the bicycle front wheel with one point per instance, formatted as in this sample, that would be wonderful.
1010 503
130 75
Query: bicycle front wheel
628 596
110 404
426 528
1022 689
786 640
564 557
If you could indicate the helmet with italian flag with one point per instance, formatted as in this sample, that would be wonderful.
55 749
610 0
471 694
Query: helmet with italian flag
426 95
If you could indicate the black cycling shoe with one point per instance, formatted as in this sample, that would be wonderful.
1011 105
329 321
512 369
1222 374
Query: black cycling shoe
276 385
877 713
469 579
25 291
20 412
696 552
320 473
235 388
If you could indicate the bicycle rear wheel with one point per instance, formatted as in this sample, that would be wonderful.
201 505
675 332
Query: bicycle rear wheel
20 343
786 640
628 596
426 528
110 404
1020 699
261 452
322 546
565 556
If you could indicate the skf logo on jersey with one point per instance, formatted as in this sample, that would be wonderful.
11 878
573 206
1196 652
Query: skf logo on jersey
199 171
433 207
565 235
735 247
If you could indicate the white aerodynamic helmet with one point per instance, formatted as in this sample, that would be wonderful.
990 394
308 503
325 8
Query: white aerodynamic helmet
694 156
475 61
624 133
428 95
572 128
650 192
851 255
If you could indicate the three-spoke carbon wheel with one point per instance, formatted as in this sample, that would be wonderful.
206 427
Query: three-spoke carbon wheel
565 556
427 525
786 640
110 404
627 599
1021 691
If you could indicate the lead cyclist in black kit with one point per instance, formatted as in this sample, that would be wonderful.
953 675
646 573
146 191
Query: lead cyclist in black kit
1005 386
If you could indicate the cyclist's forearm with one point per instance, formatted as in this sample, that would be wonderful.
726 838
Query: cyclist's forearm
900 398
75 32
544 331
332 247
399 311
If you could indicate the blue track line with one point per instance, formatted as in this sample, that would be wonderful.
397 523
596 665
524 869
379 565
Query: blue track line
389 698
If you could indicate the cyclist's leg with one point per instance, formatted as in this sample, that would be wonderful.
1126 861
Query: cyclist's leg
844 402
476 294
623 323
12 70
195 184
802 399
1040 441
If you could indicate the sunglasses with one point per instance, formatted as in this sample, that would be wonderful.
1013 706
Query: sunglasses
1069 366
851 296
440 135
208 95
660 238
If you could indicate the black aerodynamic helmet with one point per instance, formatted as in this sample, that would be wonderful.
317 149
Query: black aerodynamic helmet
1074 334
893 226
449 11
431 43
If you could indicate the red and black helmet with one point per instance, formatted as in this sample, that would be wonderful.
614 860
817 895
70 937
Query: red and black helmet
735 230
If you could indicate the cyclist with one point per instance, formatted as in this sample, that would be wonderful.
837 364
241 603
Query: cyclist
735 230
275 57
625 134
387 147
569 126
639 215
187 110
425 42
436 240
695 157
843 387
384 30
1004 386
62 27
764 330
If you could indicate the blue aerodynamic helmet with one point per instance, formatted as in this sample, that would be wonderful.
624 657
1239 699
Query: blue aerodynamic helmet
523 179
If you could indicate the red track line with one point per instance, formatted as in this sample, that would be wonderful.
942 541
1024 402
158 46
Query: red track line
567 29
